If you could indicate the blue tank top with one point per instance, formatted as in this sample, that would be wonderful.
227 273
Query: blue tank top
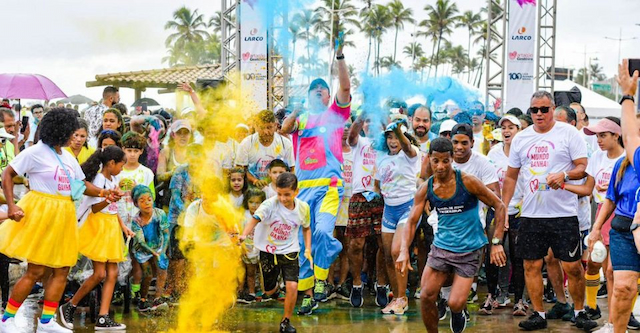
459 227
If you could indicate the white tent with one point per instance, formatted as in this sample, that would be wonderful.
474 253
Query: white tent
596 105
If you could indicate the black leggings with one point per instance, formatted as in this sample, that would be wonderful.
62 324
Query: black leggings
4 277
517 266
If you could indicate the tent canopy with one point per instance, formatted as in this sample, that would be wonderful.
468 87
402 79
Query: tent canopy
596 105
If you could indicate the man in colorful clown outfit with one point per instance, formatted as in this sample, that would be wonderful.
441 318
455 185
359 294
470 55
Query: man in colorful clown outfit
317 140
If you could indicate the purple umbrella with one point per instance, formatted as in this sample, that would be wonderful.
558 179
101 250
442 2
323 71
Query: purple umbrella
28 86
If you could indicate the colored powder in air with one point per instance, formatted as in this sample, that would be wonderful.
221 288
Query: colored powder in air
208 236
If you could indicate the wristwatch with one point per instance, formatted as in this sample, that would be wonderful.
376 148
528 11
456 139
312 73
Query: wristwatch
566 176
626 97
496 241
634 226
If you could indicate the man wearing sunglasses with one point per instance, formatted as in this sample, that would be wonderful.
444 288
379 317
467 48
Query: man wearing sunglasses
548 154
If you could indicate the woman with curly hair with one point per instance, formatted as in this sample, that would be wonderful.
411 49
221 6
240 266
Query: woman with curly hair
43 227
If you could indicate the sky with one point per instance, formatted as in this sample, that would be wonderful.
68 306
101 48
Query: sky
70 41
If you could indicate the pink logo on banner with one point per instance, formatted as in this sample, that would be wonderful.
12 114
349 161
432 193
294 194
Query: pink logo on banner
246 56
523 2
513 55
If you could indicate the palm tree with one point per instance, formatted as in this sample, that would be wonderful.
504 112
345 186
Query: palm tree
189 26
442 19
296 33
388 63
215 22
421 64
343 15
472 21
307 19
459 59
399 16
413 51
376 24
364 12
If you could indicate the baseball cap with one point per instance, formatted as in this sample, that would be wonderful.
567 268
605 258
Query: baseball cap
447 125
180 124
185 111
389 128
513 119
604 125
318 82
465 129
4 134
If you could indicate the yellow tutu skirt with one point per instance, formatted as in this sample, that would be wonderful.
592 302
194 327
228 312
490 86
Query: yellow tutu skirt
47 235
101 238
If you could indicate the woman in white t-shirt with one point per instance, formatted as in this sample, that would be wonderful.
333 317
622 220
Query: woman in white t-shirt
397 165
499 156
43 227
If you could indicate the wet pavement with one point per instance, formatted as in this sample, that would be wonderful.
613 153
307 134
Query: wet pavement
334 316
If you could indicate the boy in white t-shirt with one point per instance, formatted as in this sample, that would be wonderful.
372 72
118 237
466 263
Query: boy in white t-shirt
277 223
274 170
133 173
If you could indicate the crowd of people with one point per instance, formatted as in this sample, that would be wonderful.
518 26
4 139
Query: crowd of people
337 203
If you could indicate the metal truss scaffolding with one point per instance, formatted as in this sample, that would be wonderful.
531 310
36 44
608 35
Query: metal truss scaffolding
230 38
277 75
495 51
545 62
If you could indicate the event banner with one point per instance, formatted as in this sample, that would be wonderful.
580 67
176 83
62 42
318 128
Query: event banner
253 56
521 46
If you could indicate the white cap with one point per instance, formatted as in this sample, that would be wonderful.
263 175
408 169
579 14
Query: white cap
5 135
513 119
185 111
447 125
599 252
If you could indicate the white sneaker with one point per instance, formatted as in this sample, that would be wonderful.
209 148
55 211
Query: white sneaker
9 326
51 327
417 294
607 328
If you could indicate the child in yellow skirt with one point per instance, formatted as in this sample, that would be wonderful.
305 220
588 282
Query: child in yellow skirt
100 236
43 226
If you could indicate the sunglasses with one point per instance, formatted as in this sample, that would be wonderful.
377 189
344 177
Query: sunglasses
543 109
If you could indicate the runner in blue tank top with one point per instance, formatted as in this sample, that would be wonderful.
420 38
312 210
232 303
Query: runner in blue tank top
458 244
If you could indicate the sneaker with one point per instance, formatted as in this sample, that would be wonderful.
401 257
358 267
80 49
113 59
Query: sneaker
593 314
159 304
401 306
534 322
174 301
633 323
569 316
246 299
442 308
519 309
285 326
602 292
558 310
467 315
417 293
503 299
280 296
583 322
144 305
355 298
607 328
66 312
382 296
105 323
473 296
342 292
321 291
487 307
458 322
9 326
389 307
549 295
308 305
51 327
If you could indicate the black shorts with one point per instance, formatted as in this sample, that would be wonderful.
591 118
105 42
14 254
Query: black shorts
272 265
537 235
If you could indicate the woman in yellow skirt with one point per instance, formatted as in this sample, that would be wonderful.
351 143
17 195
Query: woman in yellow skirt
43 227
100 236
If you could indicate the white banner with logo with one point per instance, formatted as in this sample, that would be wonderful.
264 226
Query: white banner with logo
253 56
521 46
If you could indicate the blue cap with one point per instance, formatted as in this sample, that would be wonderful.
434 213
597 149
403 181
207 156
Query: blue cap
318 82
